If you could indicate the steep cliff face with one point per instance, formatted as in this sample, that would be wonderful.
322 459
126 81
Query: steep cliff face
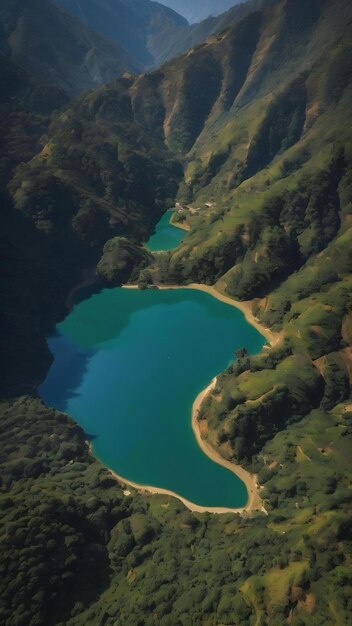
273 125
196 34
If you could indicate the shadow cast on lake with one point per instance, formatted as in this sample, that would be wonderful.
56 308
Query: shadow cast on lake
104 315
66 373
128 366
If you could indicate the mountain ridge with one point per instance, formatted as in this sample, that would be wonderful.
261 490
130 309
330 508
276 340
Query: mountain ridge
199 10
86 59
143 28
248 132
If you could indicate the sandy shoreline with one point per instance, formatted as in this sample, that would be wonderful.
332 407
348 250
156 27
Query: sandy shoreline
254 500
245 307
250 480
181 225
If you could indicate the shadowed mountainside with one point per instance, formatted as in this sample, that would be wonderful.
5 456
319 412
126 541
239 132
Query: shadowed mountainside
141 27
118 186
199 10
150 32
257 117
55 47
196 34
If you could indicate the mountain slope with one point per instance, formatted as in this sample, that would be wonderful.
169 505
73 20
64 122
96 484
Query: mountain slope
101 177
141 27
258 117
199 10
25 105
273 154
150 32
260 91
47 42
197 33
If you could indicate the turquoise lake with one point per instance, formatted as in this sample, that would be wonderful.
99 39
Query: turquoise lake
166 236
128 367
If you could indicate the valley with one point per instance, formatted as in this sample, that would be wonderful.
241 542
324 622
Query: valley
199 10
247 131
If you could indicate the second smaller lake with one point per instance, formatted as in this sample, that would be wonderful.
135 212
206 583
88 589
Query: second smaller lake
166 236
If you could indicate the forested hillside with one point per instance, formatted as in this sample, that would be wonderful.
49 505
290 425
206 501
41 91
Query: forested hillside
250 132
56 48
197 33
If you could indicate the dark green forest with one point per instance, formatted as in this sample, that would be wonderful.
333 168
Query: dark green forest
251 131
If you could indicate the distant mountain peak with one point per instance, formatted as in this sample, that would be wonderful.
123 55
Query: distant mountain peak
142 27
199 10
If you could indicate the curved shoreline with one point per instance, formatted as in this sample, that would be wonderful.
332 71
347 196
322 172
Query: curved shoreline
245 307
182 225
250 480
254 502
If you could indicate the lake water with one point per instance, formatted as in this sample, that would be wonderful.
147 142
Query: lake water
166 236
128 367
